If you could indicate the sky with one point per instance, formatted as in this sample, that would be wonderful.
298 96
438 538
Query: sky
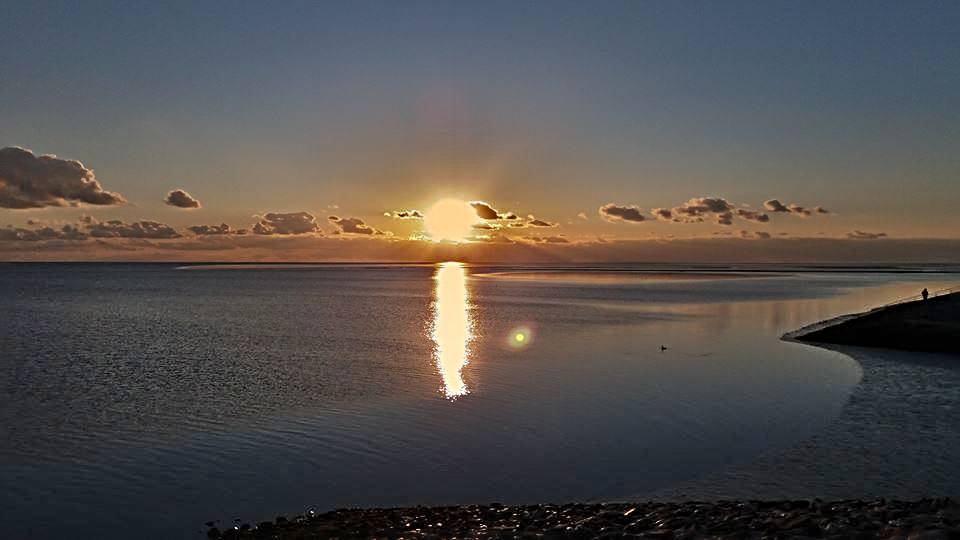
608 130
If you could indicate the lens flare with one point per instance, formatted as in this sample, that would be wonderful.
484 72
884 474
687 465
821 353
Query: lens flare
520 337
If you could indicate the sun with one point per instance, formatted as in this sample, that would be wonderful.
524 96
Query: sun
450 219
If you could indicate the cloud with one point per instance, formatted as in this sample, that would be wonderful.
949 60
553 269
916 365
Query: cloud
29 181
862 235
583 216
405 214
491 239
774 205
214 230
485 211
762 235
353 226
181 199
752 215
485 226
67 232
534 222
138 229
547 239
286 223
695 209
662 214
613 213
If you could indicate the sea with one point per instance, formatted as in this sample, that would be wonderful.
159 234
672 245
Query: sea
144 400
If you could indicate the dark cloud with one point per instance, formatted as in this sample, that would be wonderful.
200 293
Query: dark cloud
214 230
353 226
181 199
484 226
752 215
534 222
286 223
662 214
774 205
138 229
695 209
405 214
66 232
862 235
29 181
762 235
485 211
614 213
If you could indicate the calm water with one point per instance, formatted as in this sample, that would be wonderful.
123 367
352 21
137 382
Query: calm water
157 398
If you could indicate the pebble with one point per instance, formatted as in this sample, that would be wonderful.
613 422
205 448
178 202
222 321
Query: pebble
926 519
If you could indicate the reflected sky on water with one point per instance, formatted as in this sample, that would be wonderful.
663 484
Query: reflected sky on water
144 396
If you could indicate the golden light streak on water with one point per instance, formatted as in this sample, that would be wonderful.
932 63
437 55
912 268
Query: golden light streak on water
452 326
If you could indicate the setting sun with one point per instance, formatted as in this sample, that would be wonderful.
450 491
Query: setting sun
449 219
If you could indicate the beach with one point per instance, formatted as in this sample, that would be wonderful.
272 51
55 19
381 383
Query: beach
925 519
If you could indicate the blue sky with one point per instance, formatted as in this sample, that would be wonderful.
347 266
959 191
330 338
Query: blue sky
541 108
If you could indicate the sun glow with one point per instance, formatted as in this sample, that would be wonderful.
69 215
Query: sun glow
450 219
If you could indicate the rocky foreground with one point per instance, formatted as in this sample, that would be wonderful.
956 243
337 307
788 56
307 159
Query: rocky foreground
926 519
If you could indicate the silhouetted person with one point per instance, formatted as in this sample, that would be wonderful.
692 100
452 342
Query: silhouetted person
924 293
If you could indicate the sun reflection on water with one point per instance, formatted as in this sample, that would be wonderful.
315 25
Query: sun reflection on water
452 326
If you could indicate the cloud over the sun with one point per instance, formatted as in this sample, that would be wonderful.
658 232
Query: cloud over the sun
286 223
29 181
353 226
181 199
614 212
